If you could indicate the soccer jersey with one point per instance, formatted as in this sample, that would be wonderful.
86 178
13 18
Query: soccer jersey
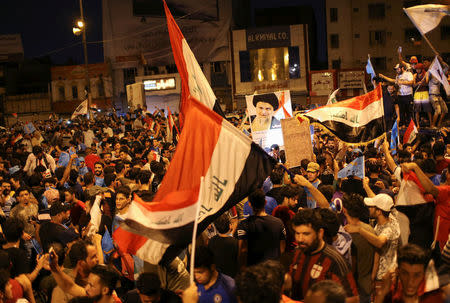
221 292
327 264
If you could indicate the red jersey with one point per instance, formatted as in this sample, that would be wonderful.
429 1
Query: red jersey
326 264
443 211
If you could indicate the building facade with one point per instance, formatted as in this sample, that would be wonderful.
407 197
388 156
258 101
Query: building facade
356 28
68 87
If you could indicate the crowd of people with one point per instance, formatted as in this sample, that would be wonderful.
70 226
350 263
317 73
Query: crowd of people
416 93
304 236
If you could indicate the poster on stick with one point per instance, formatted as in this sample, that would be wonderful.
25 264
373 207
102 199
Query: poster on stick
297 141
265 112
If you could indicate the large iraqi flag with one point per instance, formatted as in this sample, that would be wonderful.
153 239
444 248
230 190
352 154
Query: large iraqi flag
209 146
193 82
358 120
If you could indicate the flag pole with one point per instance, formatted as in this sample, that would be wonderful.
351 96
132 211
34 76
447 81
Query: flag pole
194 232
422 34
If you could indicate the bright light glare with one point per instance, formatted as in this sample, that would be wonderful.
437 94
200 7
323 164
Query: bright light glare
76 31
80 23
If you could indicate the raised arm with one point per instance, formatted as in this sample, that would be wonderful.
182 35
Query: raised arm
389 160
322 202
424 180
63 280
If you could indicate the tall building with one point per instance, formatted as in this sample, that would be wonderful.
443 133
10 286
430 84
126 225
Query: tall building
356 28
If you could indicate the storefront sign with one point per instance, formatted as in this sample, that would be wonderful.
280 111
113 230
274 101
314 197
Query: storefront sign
268 37
351 79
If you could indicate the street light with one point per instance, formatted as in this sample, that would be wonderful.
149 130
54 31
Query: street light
77 30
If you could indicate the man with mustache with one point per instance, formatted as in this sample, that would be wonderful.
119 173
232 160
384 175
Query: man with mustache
314 260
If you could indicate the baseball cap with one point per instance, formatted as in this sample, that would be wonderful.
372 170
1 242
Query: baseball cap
312 167
381 201
413 59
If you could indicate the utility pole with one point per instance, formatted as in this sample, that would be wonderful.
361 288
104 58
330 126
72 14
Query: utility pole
86 65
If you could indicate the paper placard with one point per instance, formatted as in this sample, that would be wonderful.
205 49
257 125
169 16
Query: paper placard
297 141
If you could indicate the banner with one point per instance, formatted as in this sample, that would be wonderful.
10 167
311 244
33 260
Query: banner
293 133
266 111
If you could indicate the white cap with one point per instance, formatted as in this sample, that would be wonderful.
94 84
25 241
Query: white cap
381 201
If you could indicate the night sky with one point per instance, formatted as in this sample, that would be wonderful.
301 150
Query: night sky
46 27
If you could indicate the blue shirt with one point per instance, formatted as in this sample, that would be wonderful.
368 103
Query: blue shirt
221 292
310 202
100 181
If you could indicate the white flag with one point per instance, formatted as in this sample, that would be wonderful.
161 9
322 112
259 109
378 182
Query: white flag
426 17
436 70
82 109
332 97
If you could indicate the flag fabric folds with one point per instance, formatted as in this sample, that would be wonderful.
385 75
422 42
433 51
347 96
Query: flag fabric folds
358 120
29 128
332 97
410 133
436 70
193 81
426 17
81 109
369 69
107 245
354 168
394 138
209 146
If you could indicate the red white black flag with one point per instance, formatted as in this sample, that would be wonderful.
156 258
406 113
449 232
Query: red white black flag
357 120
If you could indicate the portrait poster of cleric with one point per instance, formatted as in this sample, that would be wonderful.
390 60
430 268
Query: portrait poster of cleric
265 112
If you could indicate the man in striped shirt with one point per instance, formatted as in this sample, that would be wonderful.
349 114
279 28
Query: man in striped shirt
314 260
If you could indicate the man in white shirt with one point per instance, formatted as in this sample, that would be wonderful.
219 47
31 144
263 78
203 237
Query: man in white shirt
37 158
405 81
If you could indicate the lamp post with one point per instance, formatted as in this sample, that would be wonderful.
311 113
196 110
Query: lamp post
80 28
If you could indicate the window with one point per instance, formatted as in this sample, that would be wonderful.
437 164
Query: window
129 75
379 63
412 35
356 9
269 64
445 32
74 92
336 64
101 87
334 40
61 93
377 37
333 14
148 70
376 11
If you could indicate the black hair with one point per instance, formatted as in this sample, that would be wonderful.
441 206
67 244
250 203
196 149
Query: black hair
310 217
13 229
288 191
439 148
203 257
124 190
119 167
78 252
108 276
222 223
148 284
109 179
428 166
88 178
327 191
354 204
99 163
412 254
331 224
144 176
260 283
108 170
21 189
59 172
304 163
332 291
257 200
276 176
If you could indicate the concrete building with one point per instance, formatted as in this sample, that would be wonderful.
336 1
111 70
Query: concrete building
137 45
356 28
68 87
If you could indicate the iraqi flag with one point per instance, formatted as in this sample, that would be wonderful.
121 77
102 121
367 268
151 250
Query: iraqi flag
232 166
410 133
193 82
354 121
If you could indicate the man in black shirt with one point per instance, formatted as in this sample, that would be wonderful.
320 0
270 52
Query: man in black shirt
148 289
224 247
261 236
